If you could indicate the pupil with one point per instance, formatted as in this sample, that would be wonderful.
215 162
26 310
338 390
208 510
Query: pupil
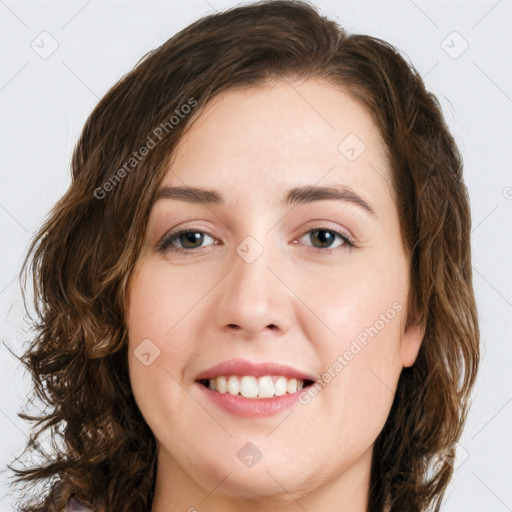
325 238
191 238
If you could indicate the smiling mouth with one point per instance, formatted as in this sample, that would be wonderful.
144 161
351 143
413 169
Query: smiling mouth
248 386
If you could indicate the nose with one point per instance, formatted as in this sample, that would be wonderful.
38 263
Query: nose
254 300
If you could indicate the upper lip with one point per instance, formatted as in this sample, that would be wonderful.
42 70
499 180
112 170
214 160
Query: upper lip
243 367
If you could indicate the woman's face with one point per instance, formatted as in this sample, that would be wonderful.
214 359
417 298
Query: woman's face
267 286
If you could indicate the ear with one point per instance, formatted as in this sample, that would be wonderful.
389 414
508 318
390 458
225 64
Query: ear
411 343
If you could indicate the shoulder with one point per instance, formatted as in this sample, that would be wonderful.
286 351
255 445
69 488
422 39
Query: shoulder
75 504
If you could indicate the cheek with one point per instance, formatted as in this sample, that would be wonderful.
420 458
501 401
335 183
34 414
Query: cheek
154 364
160 300
360 373
363 298
362 309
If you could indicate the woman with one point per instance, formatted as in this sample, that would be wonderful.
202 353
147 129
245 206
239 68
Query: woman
203 346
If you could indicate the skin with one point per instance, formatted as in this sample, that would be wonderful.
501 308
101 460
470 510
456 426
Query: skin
295 304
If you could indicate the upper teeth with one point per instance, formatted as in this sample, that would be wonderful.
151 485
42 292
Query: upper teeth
252 387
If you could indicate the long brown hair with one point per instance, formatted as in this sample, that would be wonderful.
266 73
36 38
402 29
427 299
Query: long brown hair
82 257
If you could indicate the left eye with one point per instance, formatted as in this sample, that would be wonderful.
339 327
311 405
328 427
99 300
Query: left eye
191 239
325 238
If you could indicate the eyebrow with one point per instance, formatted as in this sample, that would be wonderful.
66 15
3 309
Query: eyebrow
298 195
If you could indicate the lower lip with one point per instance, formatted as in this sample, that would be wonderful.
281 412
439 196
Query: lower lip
251 407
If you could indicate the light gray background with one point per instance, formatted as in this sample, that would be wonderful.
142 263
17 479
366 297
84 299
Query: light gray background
44 103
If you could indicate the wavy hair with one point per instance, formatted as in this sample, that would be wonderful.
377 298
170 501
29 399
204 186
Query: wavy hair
81 259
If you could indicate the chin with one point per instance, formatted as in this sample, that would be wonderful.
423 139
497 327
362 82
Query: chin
264 479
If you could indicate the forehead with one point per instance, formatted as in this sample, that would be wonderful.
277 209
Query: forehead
265 139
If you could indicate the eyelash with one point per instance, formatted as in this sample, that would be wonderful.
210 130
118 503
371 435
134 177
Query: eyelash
164 244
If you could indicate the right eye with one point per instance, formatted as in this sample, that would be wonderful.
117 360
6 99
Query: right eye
188 238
